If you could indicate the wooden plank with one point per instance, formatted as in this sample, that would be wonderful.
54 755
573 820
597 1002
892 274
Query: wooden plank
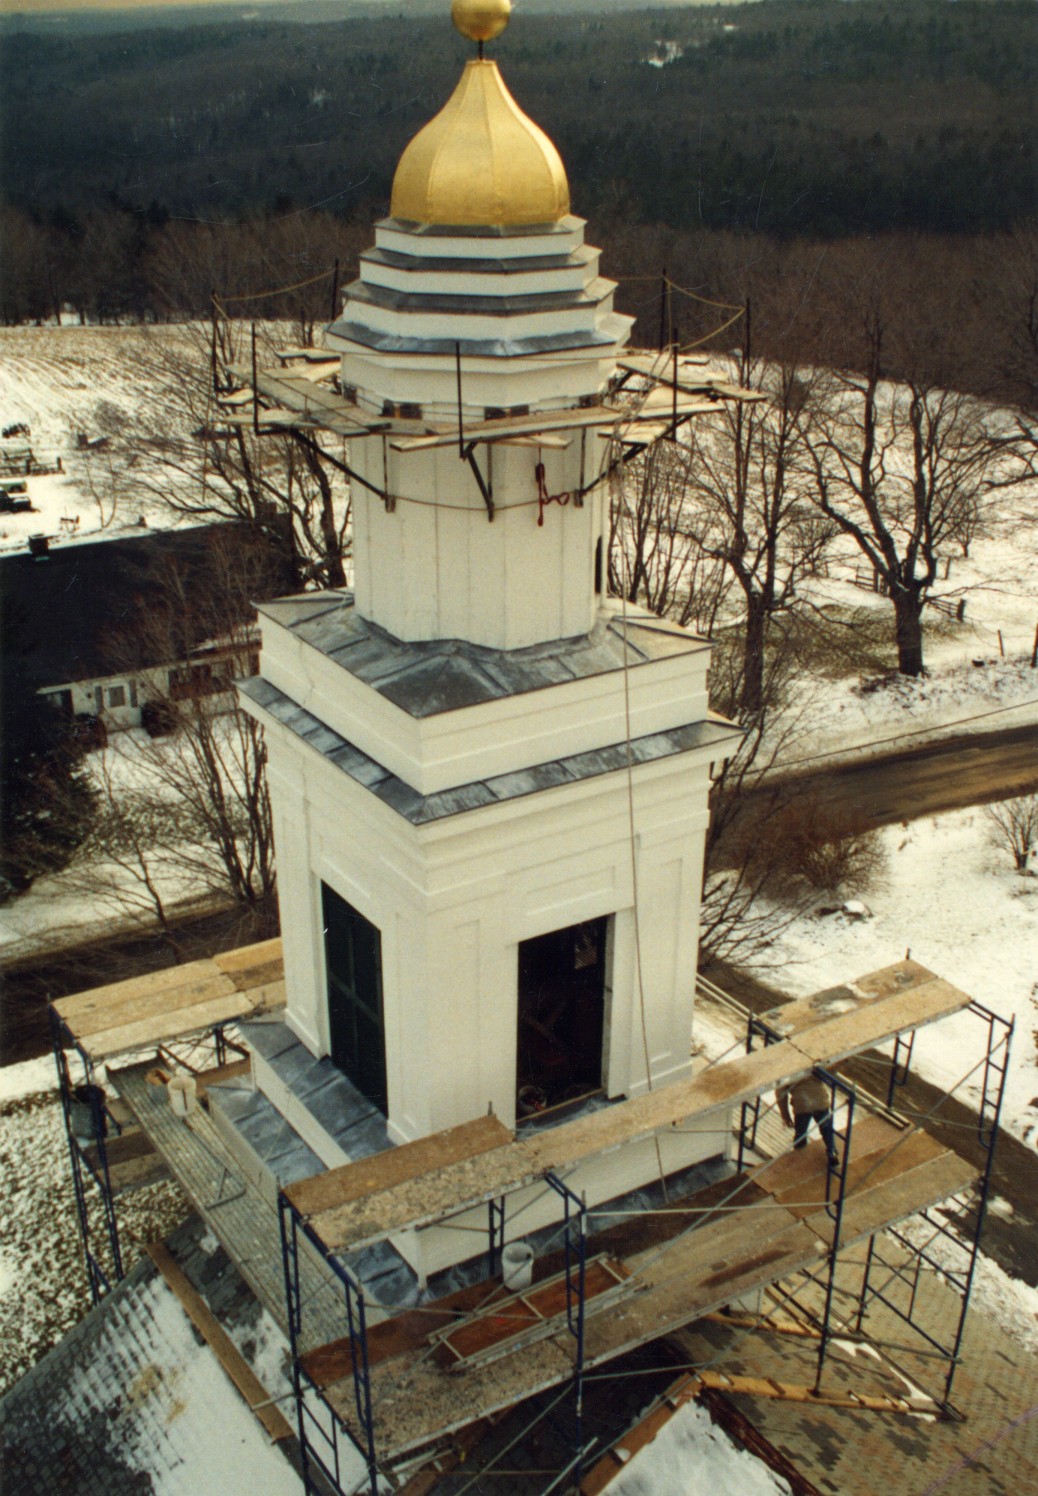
685 1390
265 999
397 1166
516 1313
419 1401
903 1195
472 1181
239 964
755 1386
220 1073
405 1332
868 1134
838 1038
575 418
154 984
803 1197
171 1025
415 1401
468 1182
659 362
222 1346
126 1012
300 394
903 976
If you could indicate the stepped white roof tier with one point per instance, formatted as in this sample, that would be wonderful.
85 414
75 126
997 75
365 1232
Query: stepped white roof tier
523 308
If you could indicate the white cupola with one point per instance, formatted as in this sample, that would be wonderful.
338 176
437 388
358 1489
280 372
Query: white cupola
479 301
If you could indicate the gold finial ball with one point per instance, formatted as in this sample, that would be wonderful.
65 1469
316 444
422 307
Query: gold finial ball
481 20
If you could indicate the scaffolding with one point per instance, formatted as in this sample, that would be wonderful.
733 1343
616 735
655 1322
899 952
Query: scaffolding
898 1290
611 1277
87 1117
180 1016
896 1284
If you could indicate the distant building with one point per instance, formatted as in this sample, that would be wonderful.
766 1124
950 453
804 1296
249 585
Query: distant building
84 619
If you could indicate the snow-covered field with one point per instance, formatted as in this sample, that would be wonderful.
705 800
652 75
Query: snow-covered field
113 404
65 381
952 897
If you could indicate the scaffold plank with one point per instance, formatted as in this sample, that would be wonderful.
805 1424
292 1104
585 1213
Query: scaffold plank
469 1182
800 1169
408 1161
179 1000
848 998
155 1027
252 965
89 1012
840 1037
572 419
905 1194
753 1240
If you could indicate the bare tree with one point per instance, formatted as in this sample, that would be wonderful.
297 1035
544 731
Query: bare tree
897 468
749 501
654 557
184 451
192 802
1014 827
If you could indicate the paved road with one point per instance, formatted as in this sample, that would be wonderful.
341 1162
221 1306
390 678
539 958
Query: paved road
947 775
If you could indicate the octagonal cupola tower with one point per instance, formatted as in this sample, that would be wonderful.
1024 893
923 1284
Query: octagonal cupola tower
488 778
479 300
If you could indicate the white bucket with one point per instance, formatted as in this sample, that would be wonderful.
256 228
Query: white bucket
517 1265
183 1094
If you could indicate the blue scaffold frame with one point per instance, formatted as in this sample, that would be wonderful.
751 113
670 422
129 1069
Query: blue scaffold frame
574 1229
83 1168
994 1071
294 1225
842 1101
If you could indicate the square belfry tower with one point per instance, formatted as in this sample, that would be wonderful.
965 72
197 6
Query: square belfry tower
489 778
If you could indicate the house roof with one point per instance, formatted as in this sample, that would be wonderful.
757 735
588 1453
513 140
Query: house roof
60 613
132 1401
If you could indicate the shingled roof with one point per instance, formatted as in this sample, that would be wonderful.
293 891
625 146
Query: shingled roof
60 612
133 1401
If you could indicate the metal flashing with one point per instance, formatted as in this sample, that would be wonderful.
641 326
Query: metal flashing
427 677
422 810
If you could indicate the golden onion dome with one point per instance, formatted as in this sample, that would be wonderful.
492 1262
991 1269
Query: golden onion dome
481 161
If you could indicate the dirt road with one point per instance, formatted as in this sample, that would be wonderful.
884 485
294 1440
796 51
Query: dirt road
947 775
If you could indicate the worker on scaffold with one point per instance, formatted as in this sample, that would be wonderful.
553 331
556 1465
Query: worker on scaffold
811 1102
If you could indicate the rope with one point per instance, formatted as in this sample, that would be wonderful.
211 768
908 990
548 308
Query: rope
632 839
544 497
276 290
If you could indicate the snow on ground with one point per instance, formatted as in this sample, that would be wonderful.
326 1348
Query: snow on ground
43 1286
691 1456
101 382
970 685
952 897
63 381
1011 1303
69 905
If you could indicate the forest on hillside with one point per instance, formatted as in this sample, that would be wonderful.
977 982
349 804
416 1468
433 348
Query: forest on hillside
739 145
